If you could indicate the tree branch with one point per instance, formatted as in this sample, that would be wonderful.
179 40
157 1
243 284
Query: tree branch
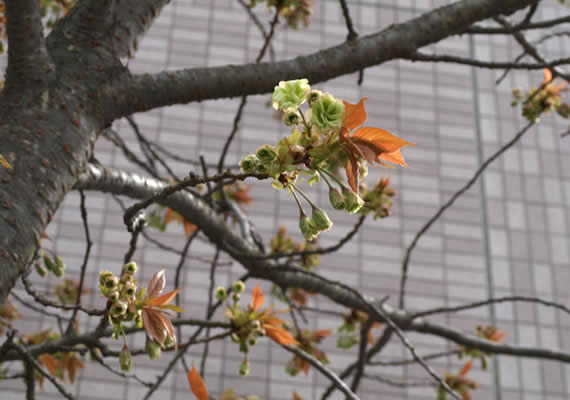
480 30
145 92
28 59
418 56
213 226
336 381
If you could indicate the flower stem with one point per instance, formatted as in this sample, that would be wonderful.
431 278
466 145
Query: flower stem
304 196
331 176
292 191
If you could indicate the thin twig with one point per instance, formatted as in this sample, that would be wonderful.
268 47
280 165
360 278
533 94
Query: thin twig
243 101
504 299
448 204
88 245
396 363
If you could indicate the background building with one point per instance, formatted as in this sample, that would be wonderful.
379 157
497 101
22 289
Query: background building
507 235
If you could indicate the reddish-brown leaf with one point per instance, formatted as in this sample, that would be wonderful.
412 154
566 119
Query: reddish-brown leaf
321 334
189 228
153 325
197 384
497 336
296 396
352 172
466 368
256 298
156 284
354 114
279 335
50 362
163 299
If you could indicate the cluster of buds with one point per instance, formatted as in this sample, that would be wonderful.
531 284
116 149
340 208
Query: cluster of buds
323 140
8 313
349 331
54 265
307 342
544 99
378 200
487 332
249 323
294 11
67 291
458 383
121 293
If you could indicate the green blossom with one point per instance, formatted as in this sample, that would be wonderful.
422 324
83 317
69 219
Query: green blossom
321 219
125 359
352 201
266 153
327 113
336 198
238 287
290 94
152 349
308 228
291 117
314 96
249 163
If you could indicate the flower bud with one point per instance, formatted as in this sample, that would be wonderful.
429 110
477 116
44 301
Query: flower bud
114 295
321 219
169 341
290 94
125 359
130 268
221 293
111 283
126 278
328 113
336 198
249 163
244 368
58 272
118 308
128 291
308 228
40 270
256 326
266 153
252 341
152 349
313 96
291 117
238 287
352 201
235 337
103 275
236 297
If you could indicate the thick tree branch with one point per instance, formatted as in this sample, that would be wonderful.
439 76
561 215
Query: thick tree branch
28 59
213 226
145 92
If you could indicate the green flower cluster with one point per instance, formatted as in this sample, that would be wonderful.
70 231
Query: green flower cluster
378 200
54 265
121 293
313 148
245 325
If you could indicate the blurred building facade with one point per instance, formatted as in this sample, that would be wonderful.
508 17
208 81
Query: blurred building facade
508 235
